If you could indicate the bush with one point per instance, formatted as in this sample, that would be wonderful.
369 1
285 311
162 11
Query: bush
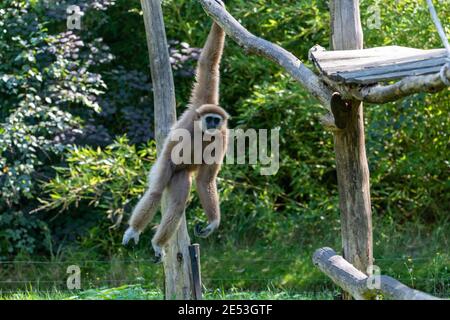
45 86
107 179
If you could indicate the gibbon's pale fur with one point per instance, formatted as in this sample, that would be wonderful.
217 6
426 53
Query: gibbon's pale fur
176 178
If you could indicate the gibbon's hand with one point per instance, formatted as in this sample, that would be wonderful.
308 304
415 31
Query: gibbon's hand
204 233
130 234
159 253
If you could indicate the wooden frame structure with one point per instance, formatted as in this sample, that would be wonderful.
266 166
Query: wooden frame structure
343 98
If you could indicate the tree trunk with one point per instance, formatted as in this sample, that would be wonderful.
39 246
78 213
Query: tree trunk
349 145
177 268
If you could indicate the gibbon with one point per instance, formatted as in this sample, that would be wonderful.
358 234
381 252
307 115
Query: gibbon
203 113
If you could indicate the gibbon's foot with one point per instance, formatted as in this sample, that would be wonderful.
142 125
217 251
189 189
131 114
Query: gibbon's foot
131 233
159 254
204 233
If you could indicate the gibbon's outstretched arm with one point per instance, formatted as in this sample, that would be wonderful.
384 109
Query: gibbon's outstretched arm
206 87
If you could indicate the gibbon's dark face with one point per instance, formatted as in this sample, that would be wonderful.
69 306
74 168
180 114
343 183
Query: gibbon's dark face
212 121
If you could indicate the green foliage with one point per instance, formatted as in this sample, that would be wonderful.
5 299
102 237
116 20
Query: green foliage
407 146
258 207
17 230
301 199
45 84
107 179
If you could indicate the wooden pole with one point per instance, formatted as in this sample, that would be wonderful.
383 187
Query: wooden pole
349 145
355 282
177 269
194 252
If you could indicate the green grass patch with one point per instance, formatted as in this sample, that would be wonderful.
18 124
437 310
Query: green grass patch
416 256
137 292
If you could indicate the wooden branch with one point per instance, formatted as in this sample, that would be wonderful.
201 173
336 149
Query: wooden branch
177 269
403 88
273 52
356 282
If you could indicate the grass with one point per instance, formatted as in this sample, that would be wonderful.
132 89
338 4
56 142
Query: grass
136 292
414 255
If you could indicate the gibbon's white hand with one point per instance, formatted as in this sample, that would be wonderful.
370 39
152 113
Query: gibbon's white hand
130 234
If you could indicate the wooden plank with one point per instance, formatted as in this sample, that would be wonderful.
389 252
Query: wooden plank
393 75
323 55
194 252
388 73
385 64
400 67
397 52
377 64
386 58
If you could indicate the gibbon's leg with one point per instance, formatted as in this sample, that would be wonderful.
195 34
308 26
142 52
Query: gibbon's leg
147 206
209 198
177 195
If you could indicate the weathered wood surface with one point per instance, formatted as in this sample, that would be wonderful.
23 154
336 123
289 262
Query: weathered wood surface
356 282
194 252
392 92
375 65
349 145
177 265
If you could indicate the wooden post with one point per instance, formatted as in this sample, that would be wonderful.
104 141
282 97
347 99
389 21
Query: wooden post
349 145
194 252
177 269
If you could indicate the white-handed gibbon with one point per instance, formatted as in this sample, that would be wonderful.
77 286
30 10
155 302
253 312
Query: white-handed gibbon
203 111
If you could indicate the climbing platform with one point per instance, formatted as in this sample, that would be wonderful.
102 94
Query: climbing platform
381 64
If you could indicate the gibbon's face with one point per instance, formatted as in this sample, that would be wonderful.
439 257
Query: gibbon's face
211 122
211 118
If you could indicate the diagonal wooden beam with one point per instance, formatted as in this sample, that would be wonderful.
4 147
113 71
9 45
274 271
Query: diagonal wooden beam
269 50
